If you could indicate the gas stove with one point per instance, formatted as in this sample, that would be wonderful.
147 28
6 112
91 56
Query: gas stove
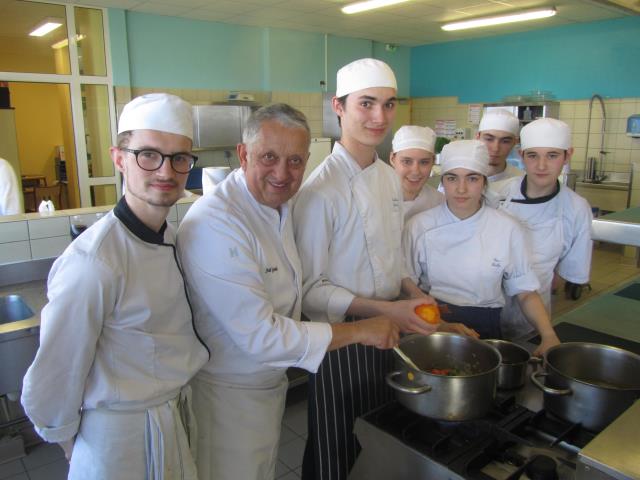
511 442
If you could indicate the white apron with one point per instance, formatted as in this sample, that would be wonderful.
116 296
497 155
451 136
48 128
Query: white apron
382 228
544 228
151 444
244 415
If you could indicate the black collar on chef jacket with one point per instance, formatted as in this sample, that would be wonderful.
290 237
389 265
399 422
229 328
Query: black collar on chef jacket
133 223
527 200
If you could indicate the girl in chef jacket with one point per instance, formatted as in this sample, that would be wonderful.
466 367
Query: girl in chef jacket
412 158
469 255
557 220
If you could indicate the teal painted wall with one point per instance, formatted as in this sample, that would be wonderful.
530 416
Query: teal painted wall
171 52
119 47
296 61
572 62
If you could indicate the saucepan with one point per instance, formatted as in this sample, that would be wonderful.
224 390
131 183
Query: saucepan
513 368
589 383
456 379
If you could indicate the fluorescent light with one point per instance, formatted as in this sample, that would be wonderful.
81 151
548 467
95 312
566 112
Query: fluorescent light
499 20
46 26
64 42
369 5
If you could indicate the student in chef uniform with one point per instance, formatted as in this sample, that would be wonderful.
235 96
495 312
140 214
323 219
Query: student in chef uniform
556 219
464 253
10 192
117 340
412 158
498 130
243 270
348 221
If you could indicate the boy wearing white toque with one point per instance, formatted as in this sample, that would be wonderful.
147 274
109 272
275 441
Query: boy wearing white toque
499 130
412 157
117 340
348 222
467 255
557 220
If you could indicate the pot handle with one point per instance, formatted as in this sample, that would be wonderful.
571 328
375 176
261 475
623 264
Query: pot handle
391 381
544 388
535 360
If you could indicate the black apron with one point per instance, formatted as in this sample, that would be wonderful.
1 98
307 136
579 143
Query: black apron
350 382
484 320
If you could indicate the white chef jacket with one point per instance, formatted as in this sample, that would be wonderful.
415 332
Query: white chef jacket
117 333
243 271
428 198
10 191
559 231
468 262
244 274
348 225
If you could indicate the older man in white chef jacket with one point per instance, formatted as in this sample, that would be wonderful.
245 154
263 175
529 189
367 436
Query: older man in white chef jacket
117 340
244 274
499 130
348 221
10 192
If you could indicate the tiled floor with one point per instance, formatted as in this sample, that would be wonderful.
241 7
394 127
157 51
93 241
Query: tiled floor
46 462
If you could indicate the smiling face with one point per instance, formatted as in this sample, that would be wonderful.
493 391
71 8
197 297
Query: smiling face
499 144
366 115
413 166
274 163
543 166
463 191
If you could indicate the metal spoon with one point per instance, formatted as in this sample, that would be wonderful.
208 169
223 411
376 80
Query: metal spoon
406 359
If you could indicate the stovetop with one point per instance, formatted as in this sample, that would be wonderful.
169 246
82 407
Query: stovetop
511 442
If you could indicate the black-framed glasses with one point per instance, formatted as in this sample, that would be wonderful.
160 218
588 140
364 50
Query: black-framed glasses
151 160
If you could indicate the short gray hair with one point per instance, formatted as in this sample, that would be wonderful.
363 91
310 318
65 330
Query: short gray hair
282 113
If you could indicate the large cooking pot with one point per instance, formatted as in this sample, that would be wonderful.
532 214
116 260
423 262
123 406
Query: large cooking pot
588 383
513 367
466 394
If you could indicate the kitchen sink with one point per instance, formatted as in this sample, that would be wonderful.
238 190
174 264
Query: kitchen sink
19 341
14 308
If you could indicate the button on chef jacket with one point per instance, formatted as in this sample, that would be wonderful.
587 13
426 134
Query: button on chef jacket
243 268
468 262
428 198
558 228
348 223
116 335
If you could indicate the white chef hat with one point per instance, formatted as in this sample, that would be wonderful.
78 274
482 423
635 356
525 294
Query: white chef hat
470 154
413 136
157 111
500 119
546 133
364 73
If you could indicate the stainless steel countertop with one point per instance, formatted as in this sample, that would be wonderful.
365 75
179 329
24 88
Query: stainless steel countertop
616 451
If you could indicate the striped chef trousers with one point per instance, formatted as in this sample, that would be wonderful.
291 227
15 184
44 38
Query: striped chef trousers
349 383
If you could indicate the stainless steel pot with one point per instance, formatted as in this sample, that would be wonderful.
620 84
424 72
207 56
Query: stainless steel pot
466 395
588 383
513 367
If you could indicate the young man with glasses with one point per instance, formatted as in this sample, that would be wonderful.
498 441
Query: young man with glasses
117 339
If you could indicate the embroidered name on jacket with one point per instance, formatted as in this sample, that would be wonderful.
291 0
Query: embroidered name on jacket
496 263
271 270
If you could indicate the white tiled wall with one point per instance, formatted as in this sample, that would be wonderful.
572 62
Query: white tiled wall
622 149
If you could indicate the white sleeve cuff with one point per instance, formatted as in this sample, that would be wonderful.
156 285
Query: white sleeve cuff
339 301
58 434
524 283
319 335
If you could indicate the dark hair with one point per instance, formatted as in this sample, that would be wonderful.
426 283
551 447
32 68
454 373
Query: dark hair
279 112
342 101
123 139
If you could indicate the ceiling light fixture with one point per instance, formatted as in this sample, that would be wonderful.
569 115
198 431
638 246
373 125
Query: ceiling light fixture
499 20
64 42
46 26
369 5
